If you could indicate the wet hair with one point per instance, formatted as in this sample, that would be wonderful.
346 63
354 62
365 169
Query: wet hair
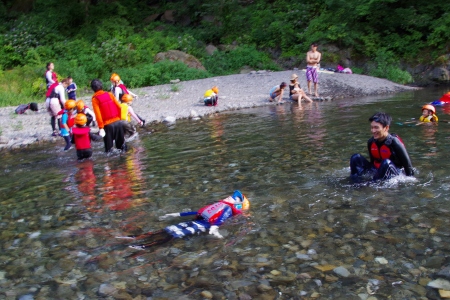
96 85
33 106
48 64
283 84
314 45
382 118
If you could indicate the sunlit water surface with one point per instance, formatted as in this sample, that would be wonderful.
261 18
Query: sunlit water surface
59 218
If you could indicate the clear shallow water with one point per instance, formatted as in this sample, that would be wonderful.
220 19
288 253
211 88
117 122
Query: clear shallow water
59 218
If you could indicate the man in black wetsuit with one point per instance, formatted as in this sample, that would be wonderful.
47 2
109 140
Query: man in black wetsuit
387 153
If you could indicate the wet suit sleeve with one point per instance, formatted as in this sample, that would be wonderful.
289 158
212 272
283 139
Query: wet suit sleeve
402 156
95 137
188 213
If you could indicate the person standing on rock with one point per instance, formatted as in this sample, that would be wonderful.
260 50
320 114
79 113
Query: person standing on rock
50 76
388 155
312 68
107 113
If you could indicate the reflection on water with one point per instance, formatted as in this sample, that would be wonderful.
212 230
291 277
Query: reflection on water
310 233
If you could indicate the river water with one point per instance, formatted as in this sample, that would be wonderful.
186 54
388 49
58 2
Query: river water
309 233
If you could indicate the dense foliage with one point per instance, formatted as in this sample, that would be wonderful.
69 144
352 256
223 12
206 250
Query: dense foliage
92 38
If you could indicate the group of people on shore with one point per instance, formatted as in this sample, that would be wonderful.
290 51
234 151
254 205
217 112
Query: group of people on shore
296 93
111 112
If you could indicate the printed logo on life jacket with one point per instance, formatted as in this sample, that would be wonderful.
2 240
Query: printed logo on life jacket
213 209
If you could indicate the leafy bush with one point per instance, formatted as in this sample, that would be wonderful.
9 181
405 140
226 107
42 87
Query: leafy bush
229 62
386 66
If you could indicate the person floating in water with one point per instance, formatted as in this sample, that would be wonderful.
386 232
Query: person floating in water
209 218
428 114
388 155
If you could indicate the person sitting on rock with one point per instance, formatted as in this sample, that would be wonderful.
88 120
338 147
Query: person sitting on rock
211 96
277 92
295 91
207 218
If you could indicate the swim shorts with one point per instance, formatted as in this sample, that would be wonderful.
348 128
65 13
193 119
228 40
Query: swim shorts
312 74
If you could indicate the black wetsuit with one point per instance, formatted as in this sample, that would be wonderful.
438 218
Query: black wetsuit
387 158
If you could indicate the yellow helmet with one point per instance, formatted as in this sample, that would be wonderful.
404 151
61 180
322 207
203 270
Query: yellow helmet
127 98
115 77
81 119
215 89
70 104
429 107
80 105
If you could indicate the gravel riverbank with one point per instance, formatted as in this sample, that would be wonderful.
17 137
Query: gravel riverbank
184 100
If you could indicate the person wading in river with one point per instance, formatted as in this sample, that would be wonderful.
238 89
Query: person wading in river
388 155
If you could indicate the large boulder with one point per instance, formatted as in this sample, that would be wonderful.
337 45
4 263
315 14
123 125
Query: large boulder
176 55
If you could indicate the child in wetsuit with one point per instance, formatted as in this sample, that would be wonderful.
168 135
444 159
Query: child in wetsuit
209 218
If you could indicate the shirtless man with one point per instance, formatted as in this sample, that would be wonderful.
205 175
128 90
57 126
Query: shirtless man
312 60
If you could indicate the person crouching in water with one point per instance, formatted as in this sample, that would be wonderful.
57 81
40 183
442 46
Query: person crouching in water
211 97
126 112
83 109
67 122
428 114
388 155
82 136
207 219
277 92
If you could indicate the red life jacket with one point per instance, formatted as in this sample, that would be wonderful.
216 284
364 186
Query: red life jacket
383 152
54 77
107 107
70 121
81 137
50 90
124 89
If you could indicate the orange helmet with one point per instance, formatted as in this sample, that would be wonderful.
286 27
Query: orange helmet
245 204
127 98
115 77
215 89
70 104
429 107
81 119
80 105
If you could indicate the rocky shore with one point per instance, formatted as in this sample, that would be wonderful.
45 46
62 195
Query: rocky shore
184 100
